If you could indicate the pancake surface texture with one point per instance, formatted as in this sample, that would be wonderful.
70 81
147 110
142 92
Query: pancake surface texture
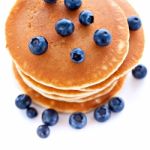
54 68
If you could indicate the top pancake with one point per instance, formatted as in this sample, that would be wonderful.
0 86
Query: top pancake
136 48
30 18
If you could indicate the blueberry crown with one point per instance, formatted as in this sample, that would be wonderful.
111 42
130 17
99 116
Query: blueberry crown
65 27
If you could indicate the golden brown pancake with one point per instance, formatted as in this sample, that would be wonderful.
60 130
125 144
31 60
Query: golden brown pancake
67 107
136 48
72 94
54 68
73 98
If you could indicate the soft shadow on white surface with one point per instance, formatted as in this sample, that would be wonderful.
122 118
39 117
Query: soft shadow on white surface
127 130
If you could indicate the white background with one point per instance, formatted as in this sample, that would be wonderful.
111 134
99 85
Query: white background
127 130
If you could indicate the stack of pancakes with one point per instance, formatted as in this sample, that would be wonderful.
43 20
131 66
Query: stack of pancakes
52 79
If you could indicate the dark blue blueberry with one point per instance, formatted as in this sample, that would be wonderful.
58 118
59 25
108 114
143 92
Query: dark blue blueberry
38 45
134 23
116 104
23 101
77 55
102 37
64 27
31 112
50 1
50 117
102 114
43 131
78 120
73 4
139 72
86 17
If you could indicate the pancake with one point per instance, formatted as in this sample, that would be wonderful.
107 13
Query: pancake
136 48
64 93
67 107
74 98
54 68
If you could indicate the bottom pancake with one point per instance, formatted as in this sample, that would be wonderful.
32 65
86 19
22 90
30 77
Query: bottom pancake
67 107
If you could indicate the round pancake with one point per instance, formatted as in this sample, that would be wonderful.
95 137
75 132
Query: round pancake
52 91
67 107
136 48
54 68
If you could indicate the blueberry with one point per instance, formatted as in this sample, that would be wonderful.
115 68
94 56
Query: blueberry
78 120
38 45
50 117
31 112
43 131
102 37
116 104
64 27
86 17
50 1
139 72
73 4
102 114
77 55
23 101
134 23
